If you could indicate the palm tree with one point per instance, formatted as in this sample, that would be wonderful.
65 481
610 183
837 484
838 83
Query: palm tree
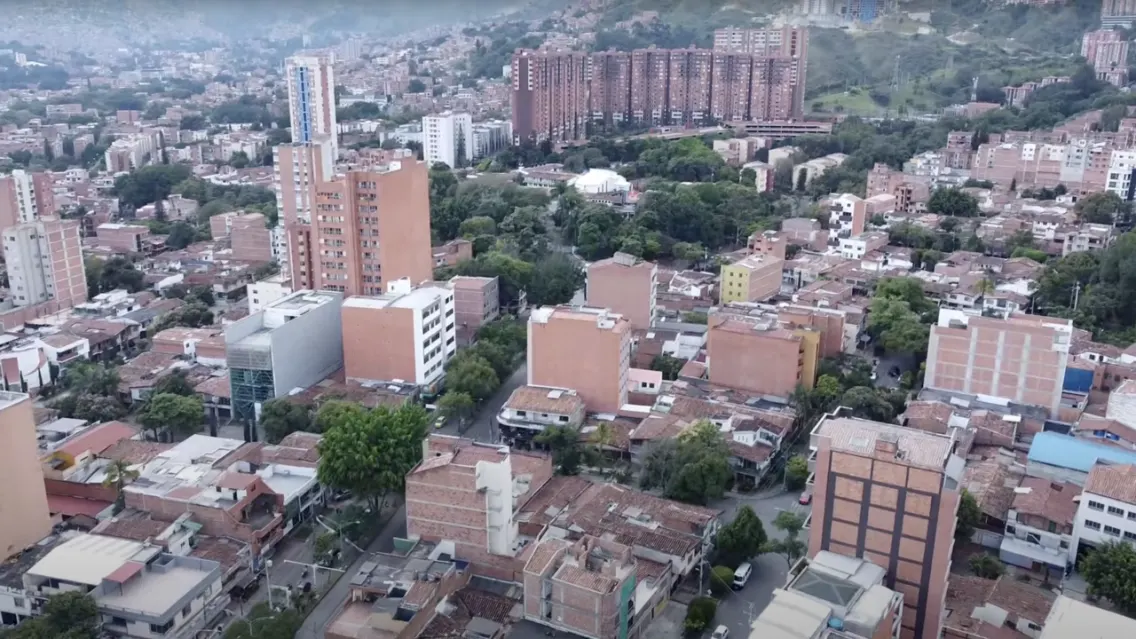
602 438
118 475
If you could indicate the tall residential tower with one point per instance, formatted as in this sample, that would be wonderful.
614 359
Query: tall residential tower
311 98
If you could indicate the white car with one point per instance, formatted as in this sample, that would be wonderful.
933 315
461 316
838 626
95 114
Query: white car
721 632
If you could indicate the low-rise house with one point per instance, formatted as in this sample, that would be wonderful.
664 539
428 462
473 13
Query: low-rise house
1039 526
1004 608
531 409
1106 512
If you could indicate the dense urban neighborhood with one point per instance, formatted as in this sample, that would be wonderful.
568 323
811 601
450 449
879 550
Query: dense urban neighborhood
599 319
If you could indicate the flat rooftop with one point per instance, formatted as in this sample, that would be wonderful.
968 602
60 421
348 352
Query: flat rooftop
420 297
87 559
156 591
791 615
860 437
10 399
1071 618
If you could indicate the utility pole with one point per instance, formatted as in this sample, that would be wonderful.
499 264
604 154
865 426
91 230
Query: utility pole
1076 295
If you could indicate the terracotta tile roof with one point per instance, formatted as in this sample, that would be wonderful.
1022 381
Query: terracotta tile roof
620 432
419 594
966 593
552 499
544 554
544 400
1115 481
133 451
215 387
1041 497
230 553
757 453
646 569
484 604
992 482
235 481
659 426
96 440
929 413
135 528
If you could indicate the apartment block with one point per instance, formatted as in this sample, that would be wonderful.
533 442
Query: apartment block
452 252
889 495
1106 512
24 197
292 343
848 216
408 334
832 593
45 263
754 278
264 292
23 498
691 79
584 349
626 285
250 238
464 495
760 355
297 169
1118 13
785 41
610 98
550 95
763 175
139 590
1021 358
447 138
477 302
123 238
584 587
1106 51
311 99
531 409
354 232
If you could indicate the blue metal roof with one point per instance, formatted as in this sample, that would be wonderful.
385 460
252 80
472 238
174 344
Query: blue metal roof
1064 451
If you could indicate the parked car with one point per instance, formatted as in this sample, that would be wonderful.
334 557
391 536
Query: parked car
741 575
440 421
721 632
806 498
894 371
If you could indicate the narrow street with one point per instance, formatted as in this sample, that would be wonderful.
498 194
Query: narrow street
484 425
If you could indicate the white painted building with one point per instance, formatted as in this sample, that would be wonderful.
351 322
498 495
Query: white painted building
1107 510
1121 167
267 291
311 99
447 138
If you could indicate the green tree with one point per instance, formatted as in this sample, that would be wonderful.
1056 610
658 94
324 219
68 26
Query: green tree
703 470
796 472
896 327
181 235
742 539
459 406
700 614
416 86
1102 208
969 516
952 201
281 417
866 402
91 377
987 566
70 615
369 452
555 280
239 160
789 546
118 475
721 580
174 383
472 375
171 413
564 442
1110 571
669 366
91 407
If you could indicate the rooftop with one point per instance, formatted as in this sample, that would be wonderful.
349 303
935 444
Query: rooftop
542 399
862 436
1072 618
418 298
1056 501
87 559
10 399
1115 481
791 615
1063 451
978 605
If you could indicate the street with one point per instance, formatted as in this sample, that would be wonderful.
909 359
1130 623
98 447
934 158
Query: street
484 425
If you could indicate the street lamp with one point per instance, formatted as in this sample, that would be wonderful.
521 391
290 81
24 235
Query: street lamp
268 581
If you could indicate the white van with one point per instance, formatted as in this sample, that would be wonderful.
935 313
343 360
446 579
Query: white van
741 575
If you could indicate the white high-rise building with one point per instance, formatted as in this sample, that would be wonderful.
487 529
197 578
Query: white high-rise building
45 263
447 138
311 98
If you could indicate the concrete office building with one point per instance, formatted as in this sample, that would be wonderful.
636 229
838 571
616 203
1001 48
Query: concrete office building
626 285
311 99
408 334
889 495
587 350
371 227
23 499
45 263
448 138
291 344
1020 359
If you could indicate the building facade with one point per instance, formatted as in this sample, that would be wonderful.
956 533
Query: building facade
447 138
1106 51
626 285
24 197
587 350
311 99
45 263
22 494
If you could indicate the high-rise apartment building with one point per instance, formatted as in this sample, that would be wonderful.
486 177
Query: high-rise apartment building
627 285
45 263
1020 358
24 516
1118 13
550 95
889 495
785 41
587 350
352 232
311 98
1106 51
409 334
24 197
447 138
556 93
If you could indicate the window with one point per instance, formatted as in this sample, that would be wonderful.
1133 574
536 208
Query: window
1113 510
185 611
1052 526
1096 505
1033 538
1092 525
1111 530
1129 536
1064 544
521 413
563 418
162 629
1010 530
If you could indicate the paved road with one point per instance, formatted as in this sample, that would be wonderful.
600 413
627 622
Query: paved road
314 625
484 426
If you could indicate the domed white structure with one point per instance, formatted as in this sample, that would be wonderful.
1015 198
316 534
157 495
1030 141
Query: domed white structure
597 181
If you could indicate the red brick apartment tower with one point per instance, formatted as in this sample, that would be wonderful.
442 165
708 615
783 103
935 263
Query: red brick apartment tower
690 85
732 76
610 99
777 90
550 95
650 85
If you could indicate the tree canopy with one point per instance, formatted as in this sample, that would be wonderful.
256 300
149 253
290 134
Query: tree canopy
693 467
741 539
1110 571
